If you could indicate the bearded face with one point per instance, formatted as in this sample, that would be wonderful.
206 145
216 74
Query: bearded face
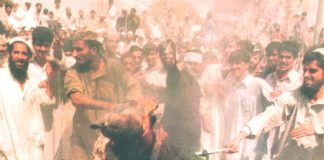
19 61
19 73
313 79
168 58
83 56
310 91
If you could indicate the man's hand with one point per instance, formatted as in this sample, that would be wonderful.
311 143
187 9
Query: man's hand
234 144
275 94
302 131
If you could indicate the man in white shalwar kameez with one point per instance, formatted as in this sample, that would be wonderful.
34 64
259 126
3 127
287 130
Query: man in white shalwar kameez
301 112
21 96
56 117
245 97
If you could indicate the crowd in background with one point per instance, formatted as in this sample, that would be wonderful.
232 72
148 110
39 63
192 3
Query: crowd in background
206 79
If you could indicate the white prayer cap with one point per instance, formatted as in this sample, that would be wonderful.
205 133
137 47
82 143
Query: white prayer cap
319 50
193 57
19 39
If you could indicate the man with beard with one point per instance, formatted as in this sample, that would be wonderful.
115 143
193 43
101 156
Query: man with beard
301 110
181 118
93 85
21 124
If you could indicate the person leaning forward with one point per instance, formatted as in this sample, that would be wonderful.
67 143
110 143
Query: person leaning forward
94 85
301 111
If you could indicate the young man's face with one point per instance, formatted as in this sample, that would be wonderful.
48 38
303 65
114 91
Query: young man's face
8 10
38 7
239 69
57 4
42 49
138 57
151 58
129 64
286 61
272 58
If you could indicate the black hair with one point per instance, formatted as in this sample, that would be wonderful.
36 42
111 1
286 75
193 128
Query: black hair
148 48
45 11
314 56
8 4
289 46
239 56
96 45
163 46
42 34
135 48
68 45
272 46
126 55
246 45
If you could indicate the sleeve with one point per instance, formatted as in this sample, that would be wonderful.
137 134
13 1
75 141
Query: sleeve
274 115
72 83
317 113
265 121
37 96
43 98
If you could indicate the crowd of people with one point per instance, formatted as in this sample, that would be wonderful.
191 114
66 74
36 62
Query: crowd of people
155 89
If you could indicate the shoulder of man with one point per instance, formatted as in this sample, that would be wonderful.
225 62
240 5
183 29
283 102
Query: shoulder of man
290 98
3 72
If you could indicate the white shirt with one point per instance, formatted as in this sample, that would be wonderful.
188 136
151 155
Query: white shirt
156 78
21 122
293 80
244 101
278 113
